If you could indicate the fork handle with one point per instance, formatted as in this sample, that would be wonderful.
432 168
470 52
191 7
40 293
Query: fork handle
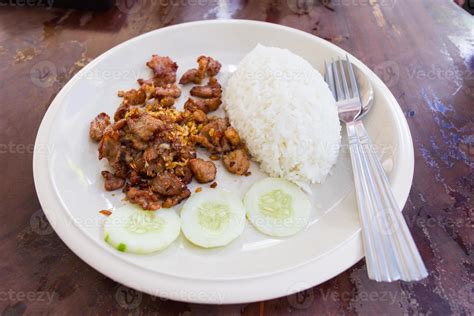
390 251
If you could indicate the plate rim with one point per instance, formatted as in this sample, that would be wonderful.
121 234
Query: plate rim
172 287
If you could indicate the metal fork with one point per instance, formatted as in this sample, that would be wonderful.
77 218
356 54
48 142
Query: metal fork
390 251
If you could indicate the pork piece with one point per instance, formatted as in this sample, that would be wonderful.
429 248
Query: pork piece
134 178
212 104
203 92
215 129
185 152
118 125
168 151
133 97
212 90
136 163
149 82
112 182
120 168
125 108
98 126
164 70
153 168
167 184
176 199
156 165
232 136
204 171
237 161
145 125
110 147
199 116
134 141
121 111
205 105
208 66
192 75
204 142
152 152
225 146
167 102
184 173
212 137
193 105
169 90
143 197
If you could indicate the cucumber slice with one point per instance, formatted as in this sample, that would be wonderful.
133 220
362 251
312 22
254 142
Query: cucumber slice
277 207
212 218
131 229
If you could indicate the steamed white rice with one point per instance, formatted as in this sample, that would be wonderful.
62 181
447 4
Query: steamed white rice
283 109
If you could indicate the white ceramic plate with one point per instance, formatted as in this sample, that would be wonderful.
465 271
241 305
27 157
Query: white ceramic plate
252 268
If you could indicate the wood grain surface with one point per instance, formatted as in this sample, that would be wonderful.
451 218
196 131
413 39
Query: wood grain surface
424 52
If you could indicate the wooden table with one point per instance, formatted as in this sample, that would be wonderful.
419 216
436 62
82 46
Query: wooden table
423 50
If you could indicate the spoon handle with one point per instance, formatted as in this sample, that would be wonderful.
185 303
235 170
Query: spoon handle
391 253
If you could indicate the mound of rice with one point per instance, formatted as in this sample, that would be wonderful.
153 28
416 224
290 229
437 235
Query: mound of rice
284 110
